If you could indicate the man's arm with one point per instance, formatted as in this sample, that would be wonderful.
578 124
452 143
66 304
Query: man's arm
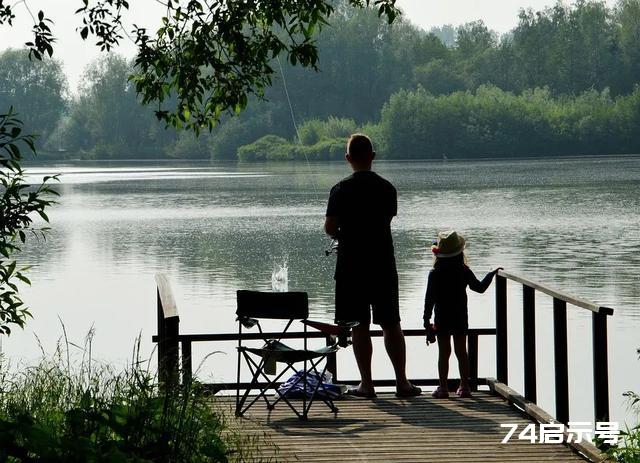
331 226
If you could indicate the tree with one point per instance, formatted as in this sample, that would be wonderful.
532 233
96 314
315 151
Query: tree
37 88
439 77
18 203
473 38
107 119
208 56
627 15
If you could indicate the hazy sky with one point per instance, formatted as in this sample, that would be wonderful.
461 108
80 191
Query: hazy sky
500 15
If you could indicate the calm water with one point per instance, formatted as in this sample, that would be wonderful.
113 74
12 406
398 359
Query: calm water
573 224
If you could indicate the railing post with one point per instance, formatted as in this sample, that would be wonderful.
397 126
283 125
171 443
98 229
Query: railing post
332 365
172 326
600 367
168 334
561 364
501 329
168 329
473 360
529 332
161 340
187 369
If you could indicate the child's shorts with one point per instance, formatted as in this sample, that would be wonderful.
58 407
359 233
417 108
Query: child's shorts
455 324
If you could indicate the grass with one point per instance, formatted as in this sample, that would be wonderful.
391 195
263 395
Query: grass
65 410
628 449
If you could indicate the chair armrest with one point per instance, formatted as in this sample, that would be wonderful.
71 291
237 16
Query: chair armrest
247 322
342 331
330 328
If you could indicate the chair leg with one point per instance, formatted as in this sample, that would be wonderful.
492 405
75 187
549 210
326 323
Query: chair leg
257 372
254 380
327 398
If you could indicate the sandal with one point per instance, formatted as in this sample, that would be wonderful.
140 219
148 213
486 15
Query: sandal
440 393
355 392
413 392
464 392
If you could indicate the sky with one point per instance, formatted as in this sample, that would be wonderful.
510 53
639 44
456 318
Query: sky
499 15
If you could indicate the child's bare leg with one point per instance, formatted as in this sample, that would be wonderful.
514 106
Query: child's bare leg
460 347
444 352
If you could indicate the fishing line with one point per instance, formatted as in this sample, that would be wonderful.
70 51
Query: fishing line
333 246
295 127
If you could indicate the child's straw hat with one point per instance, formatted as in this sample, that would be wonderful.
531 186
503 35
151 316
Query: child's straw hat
449 244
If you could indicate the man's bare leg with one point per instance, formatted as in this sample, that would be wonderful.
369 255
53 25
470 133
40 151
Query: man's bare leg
363 350
397 351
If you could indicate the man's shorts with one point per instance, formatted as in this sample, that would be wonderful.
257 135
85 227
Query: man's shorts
356 300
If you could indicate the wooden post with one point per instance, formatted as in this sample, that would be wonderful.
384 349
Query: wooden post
473 360
168 334
561 364
187 369
170 360
501 330
161 340
332 365
600 367
529 332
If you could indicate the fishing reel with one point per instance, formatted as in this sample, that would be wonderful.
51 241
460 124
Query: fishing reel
333 247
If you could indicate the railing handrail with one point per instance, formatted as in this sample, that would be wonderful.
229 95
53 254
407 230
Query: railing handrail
573 300
165 296
207 337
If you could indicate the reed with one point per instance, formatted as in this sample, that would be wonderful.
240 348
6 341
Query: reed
69 409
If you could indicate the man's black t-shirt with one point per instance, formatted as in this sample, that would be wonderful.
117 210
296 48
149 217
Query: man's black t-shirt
364 204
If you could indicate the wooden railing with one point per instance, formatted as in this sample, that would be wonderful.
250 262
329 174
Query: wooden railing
560 300
174 349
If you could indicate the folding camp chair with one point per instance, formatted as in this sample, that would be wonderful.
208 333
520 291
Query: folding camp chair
289 306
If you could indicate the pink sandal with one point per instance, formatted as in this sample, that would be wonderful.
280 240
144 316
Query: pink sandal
440 393
464 392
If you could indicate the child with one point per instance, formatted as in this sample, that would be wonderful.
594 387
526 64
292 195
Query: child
447 291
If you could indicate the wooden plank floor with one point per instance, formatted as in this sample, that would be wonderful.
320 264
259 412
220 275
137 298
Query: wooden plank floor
389 429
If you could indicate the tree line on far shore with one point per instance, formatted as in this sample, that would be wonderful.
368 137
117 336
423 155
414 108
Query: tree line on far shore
563 82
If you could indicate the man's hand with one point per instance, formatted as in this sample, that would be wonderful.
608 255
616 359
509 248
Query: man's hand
331 226
431 333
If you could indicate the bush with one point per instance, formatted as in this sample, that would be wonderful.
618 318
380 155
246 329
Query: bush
315 130
628 450
267 147
326 149
56 411
190 146
492 122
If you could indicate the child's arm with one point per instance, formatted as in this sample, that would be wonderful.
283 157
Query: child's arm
429 299
479 286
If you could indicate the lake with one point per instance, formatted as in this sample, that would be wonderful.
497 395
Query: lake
573 224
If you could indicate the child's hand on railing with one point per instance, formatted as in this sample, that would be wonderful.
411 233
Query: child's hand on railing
497 269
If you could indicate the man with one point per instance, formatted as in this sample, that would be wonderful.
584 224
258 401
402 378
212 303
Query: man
359 216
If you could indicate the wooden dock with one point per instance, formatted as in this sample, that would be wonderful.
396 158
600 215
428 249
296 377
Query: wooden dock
420 429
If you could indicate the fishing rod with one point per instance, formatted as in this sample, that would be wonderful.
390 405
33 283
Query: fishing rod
333 246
